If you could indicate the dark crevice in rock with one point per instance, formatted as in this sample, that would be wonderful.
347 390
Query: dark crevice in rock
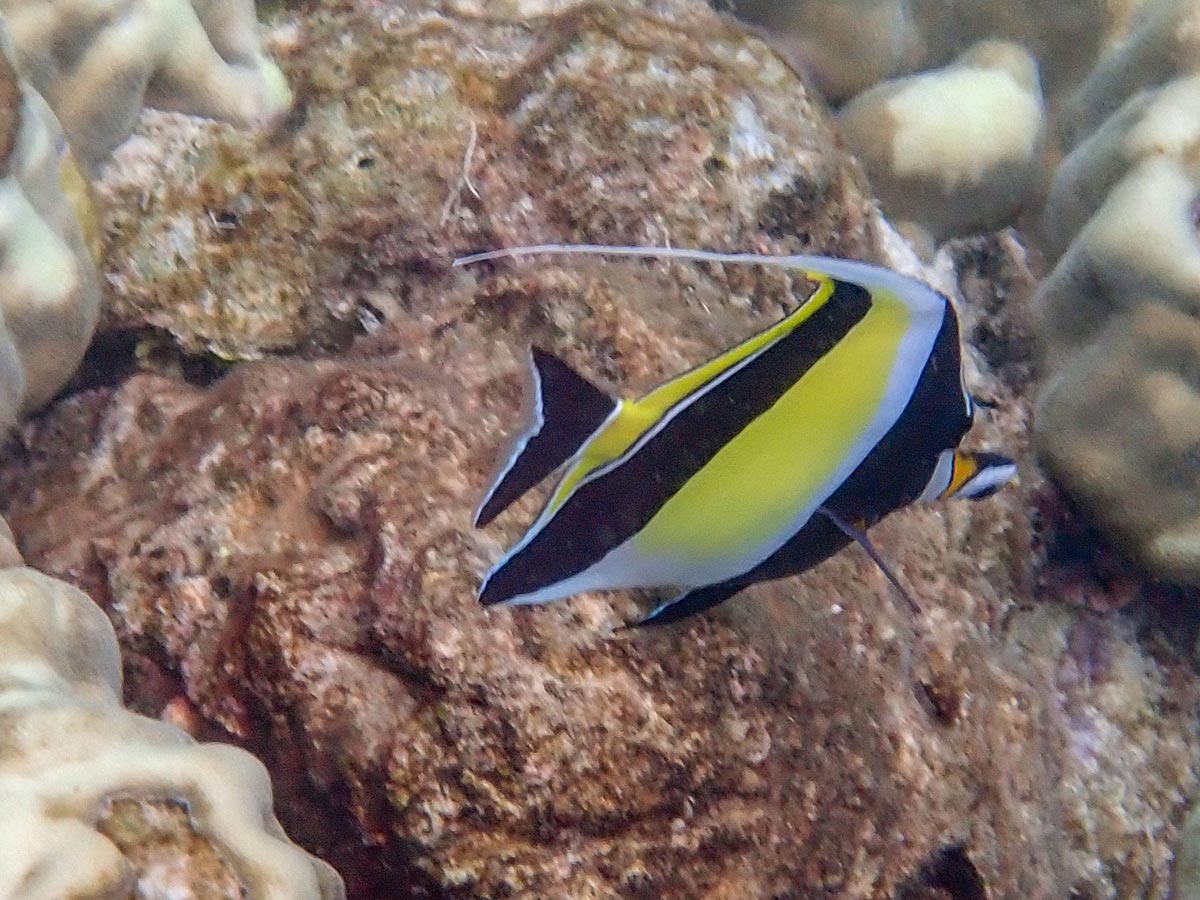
997 284
941 700
788 213
324 814
948 874
110 359
115 356
1079 565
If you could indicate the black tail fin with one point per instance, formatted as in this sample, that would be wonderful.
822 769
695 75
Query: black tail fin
567 409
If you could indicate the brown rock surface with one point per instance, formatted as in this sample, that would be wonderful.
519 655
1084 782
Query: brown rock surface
290 550
423 127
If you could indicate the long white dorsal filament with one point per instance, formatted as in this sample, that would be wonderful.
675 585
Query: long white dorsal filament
824 265
868 275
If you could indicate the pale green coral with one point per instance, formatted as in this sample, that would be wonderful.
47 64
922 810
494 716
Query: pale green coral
956 149
1157 122
98 61
1140 244
49 291
71 751
1119 427
1164 44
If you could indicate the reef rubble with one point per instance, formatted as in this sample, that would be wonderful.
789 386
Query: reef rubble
285 551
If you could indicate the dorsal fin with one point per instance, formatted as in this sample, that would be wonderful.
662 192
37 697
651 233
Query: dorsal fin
913 293
566 410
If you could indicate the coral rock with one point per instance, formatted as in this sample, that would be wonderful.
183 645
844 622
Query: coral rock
9 554
1158 122
956 149
1163 44
1119 426
98 61
1187 859
1122 213
844 45
294 543
1141 244
287 556
49 294
97 800
1065 37
431 133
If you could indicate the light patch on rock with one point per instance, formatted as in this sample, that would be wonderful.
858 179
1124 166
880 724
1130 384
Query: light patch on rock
749 141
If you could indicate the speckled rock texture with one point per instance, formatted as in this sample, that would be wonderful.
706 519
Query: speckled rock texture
444 127
287 557
290 550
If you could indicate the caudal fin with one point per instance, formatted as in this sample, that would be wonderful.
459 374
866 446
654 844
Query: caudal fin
567 409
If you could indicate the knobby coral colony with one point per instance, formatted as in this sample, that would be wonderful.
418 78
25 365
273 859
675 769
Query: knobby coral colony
49 289
50 232
959 149
60 669
198 58
60 674
706 481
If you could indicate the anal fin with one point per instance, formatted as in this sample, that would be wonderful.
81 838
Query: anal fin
689 603
567 409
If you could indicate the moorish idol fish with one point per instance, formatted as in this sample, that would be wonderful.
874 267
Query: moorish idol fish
755 465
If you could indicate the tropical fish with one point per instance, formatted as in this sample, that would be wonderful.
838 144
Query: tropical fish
755 465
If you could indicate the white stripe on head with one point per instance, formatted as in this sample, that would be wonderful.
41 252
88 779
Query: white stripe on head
943 474
987 481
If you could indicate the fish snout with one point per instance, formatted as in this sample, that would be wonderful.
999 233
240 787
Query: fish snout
977 475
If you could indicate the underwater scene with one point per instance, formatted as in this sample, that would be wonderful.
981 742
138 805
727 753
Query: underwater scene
583 450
